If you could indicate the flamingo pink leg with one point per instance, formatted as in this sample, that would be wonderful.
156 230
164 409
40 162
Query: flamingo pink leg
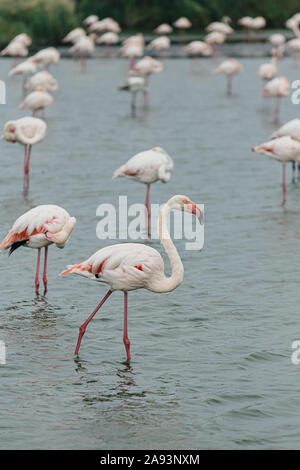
131 63
147 211
125 336
277 109
229 85
37 283
145 99
283 185
27 154
45 271
83 62
82 327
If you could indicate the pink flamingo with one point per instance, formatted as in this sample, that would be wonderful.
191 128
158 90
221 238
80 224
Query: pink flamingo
148 167
229 67
279 87
284 149
27 131
132 266
38 228
37 100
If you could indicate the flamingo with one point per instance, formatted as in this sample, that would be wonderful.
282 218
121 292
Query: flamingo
24 39
38 228
108 39
220 27
182 24
285 149
160 44
134 84
278 87
132 47
15 49
37 100
278 41
105 25
214 38
291 129
90 20
131 266
84 46
146 66
148 167
43 79
268 70
163 28
229 67
74 35
46 57
197 48
27 131
25 69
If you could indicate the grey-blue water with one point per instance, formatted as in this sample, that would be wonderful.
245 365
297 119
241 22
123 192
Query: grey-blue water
211 362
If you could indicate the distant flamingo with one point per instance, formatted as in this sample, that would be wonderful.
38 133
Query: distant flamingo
215 38
27 131
229 67
90 20
268 70
132 47
182 24
148 167
132 266
38 228
160 44
83 47
25 69
134 84
108 39
46 57
74 35
285 149
43 79
15 49
146 67
278 41
197 48
220 27
163 28
37 100
278 87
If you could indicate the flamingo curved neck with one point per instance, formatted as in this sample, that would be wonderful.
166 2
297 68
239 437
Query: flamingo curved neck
167 284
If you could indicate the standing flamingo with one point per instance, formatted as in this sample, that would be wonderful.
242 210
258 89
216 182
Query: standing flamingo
148 167
25 69
37 100
182 24
134 84
291 129
27 131
38 228
268 70
147 66
285 149
163 28
84 46
46 57
43 79
278 87
132 266
229 67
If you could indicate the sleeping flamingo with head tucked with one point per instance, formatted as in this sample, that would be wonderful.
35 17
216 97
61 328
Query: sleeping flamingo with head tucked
131 266
38 228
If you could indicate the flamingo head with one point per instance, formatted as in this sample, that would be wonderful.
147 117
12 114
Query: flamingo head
9 132
183 203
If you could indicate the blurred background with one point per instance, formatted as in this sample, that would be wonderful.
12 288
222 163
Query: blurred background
47 21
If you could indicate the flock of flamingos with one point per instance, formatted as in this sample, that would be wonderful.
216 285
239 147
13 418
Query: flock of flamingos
131 266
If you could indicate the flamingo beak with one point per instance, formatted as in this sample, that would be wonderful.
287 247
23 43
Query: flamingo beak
193 208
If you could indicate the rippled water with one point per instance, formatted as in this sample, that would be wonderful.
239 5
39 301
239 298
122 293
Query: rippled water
211 364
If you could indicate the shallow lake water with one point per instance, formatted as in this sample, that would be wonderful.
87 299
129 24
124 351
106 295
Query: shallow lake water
211 362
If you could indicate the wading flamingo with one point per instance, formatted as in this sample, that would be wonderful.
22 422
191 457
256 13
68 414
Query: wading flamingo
84 47
279 87
148 167
38 228
229 67
27 131
146 67
135 84
25 69
74 35
268 70
291 129
43 79
109 39
220 27
215 38
197 48
46 57
90 20
15 49
284 149
160 44
182 24
37 100
131 266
